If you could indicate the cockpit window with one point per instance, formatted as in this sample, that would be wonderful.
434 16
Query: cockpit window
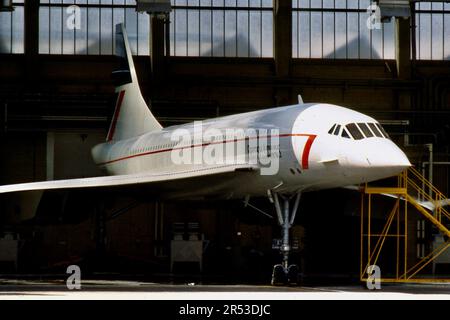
337 130
383 131
332 129
354 131
375 130
345 134
365 129
358 131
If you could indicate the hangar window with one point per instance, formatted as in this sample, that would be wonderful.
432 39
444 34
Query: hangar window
365 129
222 28
354 131
12 29
95 34
432 30
333 29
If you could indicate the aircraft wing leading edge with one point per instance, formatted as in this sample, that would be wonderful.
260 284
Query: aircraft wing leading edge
121 180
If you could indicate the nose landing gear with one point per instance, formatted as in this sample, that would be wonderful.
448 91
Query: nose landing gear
284 273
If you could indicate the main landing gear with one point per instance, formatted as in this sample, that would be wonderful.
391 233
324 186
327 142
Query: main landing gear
284 273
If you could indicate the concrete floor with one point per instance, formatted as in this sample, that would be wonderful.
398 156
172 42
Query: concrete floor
108 289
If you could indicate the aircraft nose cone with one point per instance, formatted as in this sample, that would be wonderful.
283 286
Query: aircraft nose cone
399 159
390 158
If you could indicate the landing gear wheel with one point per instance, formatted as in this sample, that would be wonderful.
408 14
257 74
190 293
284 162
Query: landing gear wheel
293 275
279 277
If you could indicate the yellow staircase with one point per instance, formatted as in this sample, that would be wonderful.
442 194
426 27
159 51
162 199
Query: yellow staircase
439 217
411 189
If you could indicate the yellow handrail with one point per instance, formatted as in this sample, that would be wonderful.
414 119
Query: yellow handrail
435 197
421 178
414 190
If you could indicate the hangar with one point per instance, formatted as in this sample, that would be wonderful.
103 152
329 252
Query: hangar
200 59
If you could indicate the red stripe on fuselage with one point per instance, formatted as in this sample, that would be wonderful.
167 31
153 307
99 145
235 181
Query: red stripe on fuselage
305 156
307 150
116 116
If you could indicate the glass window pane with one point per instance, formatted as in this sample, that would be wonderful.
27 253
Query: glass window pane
328 34
316 34
143 33
353 39
337 130
432 32
375 130
319 31
193 33
345 134
255 34
93 31
17 43
304 35
44 31
218 34
68 35
340 51
130 20
365 129
231 30
81 35
12 29
205 33
332 129
389 40
97 27
5 32
180 25
243 31
106 30
354 131
230 34
56 42
267 33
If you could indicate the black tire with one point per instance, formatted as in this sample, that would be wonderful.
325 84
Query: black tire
279 277
293 275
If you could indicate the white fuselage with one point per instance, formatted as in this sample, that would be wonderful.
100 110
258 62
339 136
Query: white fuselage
314 152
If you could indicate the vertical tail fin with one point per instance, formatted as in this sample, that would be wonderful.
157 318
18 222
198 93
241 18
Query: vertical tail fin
132 117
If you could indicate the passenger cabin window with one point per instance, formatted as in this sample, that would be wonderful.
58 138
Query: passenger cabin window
365 129
354 131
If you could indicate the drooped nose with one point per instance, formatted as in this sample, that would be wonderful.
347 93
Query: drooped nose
388 158
399 159
374 160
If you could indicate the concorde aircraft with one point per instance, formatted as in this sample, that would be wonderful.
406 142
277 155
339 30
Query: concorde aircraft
277 153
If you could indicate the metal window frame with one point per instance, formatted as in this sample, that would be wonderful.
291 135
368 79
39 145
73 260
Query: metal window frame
296 10
222 10
417 14
88 6
11 37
